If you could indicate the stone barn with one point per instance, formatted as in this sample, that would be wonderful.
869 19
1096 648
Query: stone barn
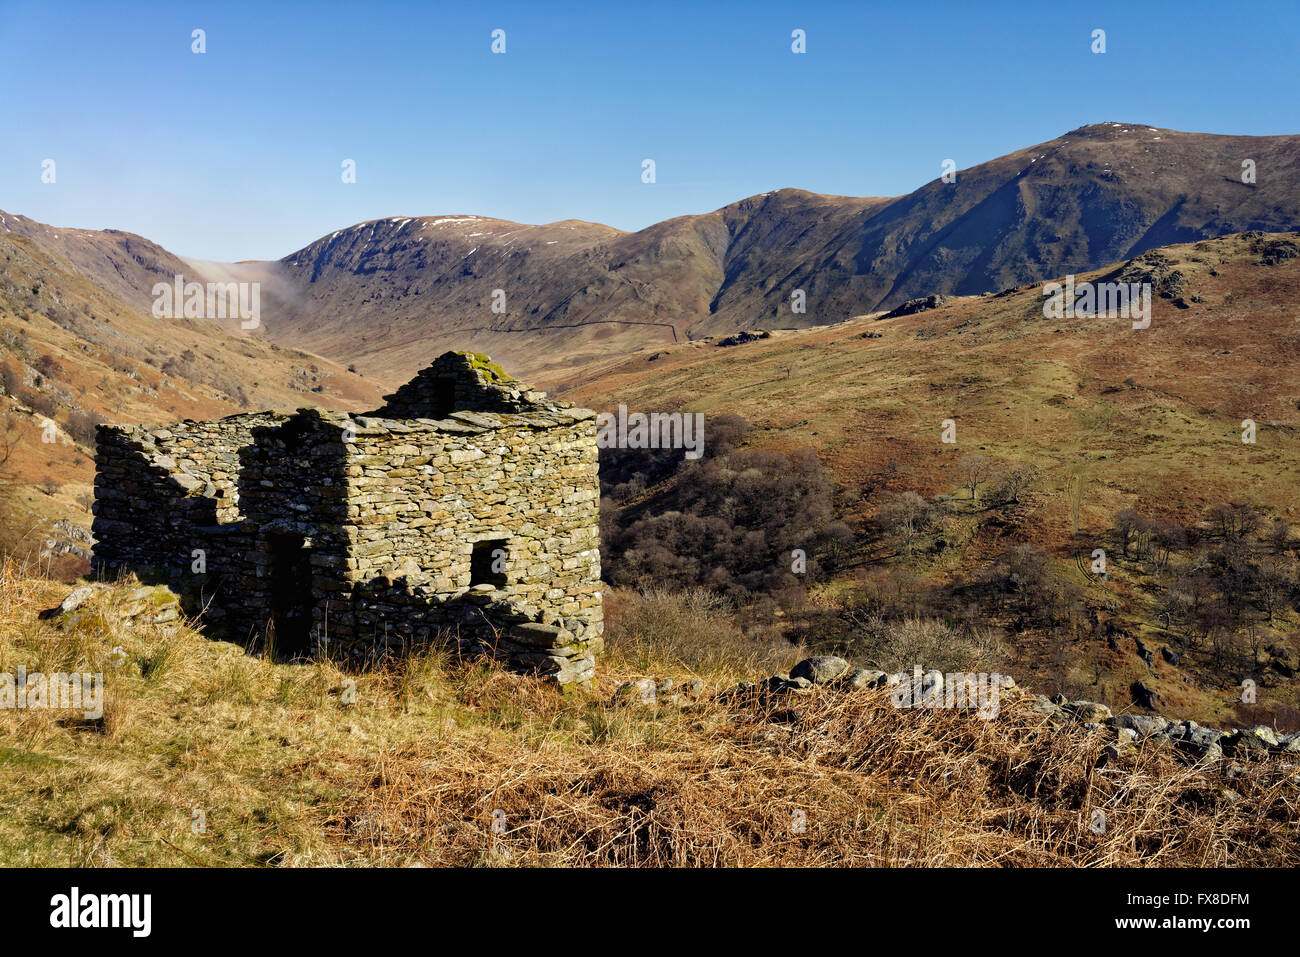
465 509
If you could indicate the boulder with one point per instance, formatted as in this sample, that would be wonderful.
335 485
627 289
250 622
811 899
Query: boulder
1144 697
1045 706
640 691
794 683
1088 711
820 670
1259 738
75 599
1142 724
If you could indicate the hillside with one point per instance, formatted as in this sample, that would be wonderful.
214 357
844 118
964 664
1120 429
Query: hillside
390 292
206 756
124 264
74 353
1107 417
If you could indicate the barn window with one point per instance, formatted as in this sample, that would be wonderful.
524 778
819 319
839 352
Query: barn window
487 563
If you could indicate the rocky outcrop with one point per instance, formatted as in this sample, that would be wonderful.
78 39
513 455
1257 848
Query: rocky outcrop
913 306
740 338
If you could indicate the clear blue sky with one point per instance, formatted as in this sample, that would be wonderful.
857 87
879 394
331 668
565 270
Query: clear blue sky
236 153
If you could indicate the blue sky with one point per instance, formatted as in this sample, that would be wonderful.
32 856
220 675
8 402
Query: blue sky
236 153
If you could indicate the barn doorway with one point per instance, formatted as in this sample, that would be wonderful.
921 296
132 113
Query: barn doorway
290 594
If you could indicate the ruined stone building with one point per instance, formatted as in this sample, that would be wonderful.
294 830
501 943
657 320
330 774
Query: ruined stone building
467 508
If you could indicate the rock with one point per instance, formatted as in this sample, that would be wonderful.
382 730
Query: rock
1170 656
1088 711
1201 738
820 670
1144 697
641 691
1108 754
743 337
1044 705
1143 724
1058 699
536 635
693 688
1258 738
665 687
791 684
861 679
1278 250
1145 653
1125 736
1212 753
913 306
76 598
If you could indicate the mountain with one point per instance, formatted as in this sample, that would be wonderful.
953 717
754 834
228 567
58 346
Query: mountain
124 264
79 345
1107 416
389 293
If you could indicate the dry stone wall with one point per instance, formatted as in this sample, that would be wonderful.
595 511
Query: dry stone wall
360 534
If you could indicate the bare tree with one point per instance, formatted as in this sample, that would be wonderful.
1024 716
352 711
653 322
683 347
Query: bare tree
1280 535
906 515
1011 483
1127 523
973 470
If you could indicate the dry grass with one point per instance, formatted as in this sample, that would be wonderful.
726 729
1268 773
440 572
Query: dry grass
871 785
288 768
692 631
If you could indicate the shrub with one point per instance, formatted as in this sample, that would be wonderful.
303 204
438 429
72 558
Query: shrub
729 520
900 645
691 629
81 425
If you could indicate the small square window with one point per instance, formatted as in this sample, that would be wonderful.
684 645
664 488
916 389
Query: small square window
487 563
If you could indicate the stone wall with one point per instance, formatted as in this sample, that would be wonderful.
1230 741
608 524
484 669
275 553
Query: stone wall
457 382
368 532
168 501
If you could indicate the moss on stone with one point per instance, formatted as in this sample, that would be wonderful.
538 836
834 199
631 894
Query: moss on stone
483 363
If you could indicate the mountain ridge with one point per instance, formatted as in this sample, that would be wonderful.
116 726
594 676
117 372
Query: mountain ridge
388 293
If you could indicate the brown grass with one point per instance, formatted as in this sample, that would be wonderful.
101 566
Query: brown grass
288 773
872 785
